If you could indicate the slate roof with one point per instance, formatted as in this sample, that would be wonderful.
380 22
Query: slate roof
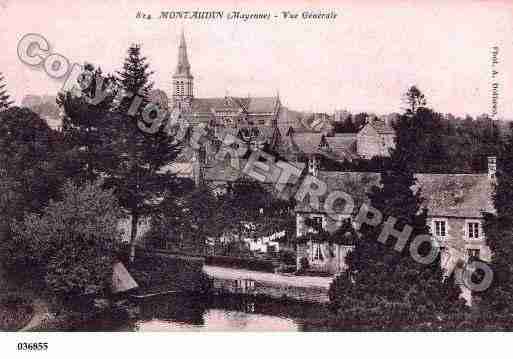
225 172
251 105
343 145
356 184
382 127
445 195
339 147
262 104
456 195
289 119
307 143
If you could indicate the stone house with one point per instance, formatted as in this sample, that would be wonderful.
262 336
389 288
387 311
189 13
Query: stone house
456 204
376 138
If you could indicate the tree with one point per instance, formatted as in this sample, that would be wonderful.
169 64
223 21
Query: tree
186 221
4 97
384 288
85 123
414 100
498 227
138 172
420 130
252 210
72 242
29 155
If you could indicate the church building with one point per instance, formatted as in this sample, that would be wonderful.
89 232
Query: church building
253 119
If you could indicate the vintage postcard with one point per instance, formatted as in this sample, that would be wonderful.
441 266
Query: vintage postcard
233 166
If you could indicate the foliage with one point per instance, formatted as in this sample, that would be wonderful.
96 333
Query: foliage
344 235
72 241
186 220
29 157
414 100
244 263
138 172
15 313
4 96
155 272
252 210
498 227
381 283
85 123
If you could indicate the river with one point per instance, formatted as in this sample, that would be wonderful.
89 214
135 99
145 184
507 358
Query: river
232 313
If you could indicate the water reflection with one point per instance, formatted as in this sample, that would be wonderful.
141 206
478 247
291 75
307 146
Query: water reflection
181 313
223 320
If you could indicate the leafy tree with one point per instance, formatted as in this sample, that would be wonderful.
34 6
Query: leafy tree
252 210
29 155
72 241
138 174
186 221
498 299
4 96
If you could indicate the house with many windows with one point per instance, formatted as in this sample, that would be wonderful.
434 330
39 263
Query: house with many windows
456 204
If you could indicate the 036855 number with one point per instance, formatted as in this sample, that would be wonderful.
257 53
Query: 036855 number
33 346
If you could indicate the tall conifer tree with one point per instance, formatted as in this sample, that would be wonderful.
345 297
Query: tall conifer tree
139 176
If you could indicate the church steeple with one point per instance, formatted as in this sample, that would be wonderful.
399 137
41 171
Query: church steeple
183 67
182 78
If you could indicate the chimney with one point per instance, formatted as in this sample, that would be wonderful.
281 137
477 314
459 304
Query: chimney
492 167
312 166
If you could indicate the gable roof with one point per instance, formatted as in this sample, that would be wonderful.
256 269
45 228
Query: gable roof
445 195
224 171
308 142
253 105
456 195
356 184
262 104
343 145
382 127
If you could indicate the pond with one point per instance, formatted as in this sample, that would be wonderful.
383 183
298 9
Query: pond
226 313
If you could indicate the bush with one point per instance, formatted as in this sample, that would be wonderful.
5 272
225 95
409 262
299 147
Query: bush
155 272
304 264
72 241
242 263
15 313
288 257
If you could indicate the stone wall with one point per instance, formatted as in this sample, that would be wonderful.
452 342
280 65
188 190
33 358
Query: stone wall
273 290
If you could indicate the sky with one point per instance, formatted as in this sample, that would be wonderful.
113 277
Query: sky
363 60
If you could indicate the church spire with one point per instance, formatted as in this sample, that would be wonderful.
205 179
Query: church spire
182 78
183 67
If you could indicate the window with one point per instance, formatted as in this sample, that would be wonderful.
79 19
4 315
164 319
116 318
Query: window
440 228
317 252
315 223
473 230
473 254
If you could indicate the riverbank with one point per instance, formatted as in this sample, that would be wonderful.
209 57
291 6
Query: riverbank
15 313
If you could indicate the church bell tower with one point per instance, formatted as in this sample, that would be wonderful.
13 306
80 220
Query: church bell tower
182 78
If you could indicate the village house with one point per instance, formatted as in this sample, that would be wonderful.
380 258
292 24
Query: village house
456 204
376 138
